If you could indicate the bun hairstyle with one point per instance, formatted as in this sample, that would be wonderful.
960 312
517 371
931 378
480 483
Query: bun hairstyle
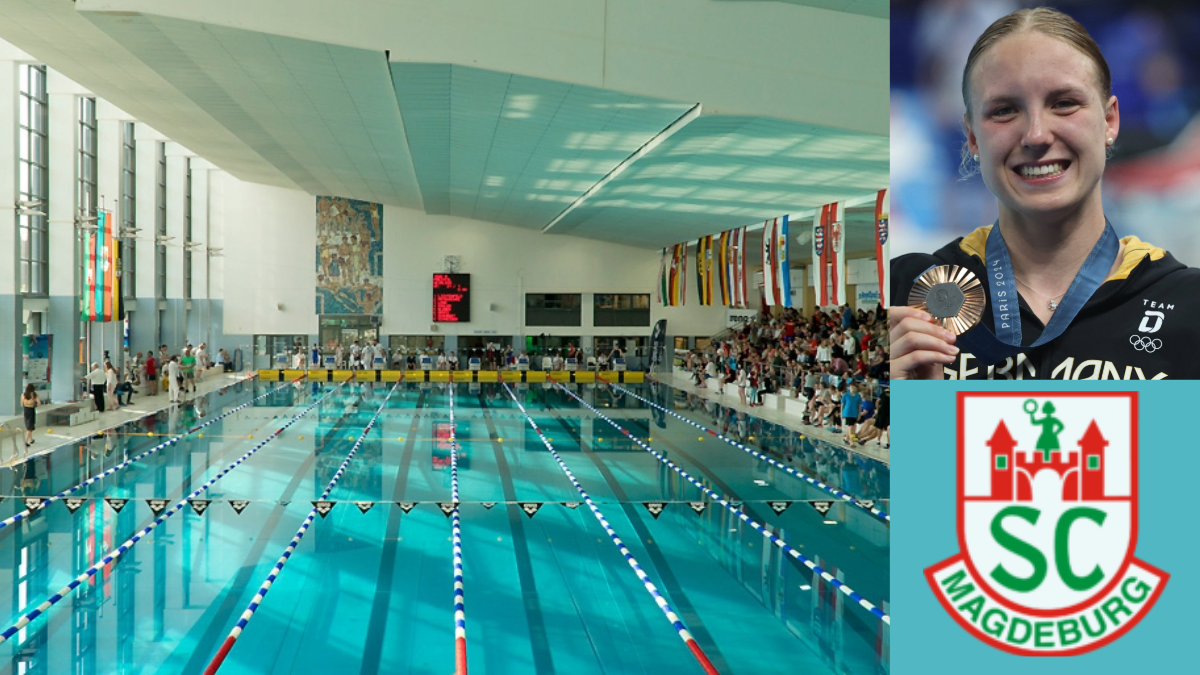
1042 20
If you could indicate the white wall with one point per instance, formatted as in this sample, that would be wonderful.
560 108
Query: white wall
270 238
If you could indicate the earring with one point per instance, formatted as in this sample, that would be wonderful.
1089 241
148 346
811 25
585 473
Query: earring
1110 141
976 157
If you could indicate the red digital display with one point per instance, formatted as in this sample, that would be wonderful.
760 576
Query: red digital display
452 297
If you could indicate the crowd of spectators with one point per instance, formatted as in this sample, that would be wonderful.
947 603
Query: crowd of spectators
836 361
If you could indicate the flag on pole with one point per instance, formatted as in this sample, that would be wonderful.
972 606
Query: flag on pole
770 274
682 273
783 274
738 268
777 285
882 245
662 279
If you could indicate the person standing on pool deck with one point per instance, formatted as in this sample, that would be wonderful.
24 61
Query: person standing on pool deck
1040 119
151 375
29 404
174 379
187 367
97 381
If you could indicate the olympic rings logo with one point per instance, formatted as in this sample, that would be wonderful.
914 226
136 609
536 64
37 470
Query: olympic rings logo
1149 345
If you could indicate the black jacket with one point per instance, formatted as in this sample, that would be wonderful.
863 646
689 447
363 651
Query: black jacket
1137 326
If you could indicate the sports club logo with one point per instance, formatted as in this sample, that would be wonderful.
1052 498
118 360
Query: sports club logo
881 230
819 239
1047 523
835 237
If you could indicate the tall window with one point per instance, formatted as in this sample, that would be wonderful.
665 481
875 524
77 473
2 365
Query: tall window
128 210
187 233
33 188
86 183
160 225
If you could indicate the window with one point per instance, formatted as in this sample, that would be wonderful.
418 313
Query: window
160 225
553 309
1093 462
621 309
1001 463
187 232
128 210
33 190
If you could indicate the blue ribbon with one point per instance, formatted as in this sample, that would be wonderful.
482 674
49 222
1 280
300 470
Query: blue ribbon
992 348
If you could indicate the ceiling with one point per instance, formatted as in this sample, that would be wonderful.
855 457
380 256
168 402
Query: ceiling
874 8
463 139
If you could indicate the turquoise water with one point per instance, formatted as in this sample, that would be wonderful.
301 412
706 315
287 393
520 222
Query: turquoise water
372 592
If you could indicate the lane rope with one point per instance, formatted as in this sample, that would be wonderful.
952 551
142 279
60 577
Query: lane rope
248 614
854 501
832 580
100 476
116 553
460 616
676 622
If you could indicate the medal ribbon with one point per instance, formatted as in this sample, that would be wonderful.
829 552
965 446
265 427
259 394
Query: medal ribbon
991 348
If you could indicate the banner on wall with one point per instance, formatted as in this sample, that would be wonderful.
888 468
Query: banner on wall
866 296
882 244
101 295
828 243
35 357
658 345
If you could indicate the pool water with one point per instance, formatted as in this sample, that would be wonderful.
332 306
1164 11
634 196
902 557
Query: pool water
369 589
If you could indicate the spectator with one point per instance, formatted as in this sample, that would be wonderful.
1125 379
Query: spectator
110 382
174 379
29 404
125 387
151 375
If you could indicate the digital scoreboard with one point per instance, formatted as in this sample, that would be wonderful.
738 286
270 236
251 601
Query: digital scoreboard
452 297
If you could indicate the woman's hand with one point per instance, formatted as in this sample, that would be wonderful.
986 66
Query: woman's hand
920 348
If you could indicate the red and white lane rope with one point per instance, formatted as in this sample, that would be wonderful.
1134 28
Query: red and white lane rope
101 476
460 616
850 499
676 622
111 556
234 634
829 578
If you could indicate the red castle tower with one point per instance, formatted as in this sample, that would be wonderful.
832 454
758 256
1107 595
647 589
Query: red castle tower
1081 472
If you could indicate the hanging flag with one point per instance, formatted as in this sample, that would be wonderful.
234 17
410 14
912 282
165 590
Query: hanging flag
882 246
655 508
199 505
822 507
829 255
740 268
446 507
530 508
698 507
239 505
779 507
323 507
683 274
663 279
73 504
115 504
406 506
704 270
104 221
769 271
722 262
783 273
157 505
673 280
364 506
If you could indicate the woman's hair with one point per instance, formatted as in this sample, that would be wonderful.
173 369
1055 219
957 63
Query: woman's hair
1048 22
29 390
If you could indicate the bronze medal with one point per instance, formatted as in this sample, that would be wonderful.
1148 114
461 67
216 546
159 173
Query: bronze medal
952 295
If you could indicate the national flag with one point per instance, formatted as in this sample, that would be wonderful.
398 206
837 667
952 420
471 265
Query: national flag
704 259
783 273
883 244
105 223
723 267
683 274
662 279
828 254
740 269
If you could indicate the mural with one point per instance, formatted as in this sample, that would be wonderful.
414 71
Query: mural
349 256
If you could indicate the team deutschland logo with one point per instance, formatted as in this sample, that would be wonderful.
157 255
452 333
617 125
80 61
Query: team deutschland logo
1047 523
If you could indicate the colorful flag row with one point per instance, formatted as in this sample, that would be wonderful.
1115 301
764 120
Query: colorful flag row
102 295
324 507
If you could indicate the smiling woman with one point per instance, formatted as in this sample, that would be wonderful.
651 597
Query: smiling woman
1066 298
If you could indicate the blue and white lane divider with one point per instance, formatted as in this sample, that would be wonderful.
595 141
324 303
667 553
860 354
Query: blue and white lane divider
460 616
234 634
832 580
676 622
850 499
100 476
112 555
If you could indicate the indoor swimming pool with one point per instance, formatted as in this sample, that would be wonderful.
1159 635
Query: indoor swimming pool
221 488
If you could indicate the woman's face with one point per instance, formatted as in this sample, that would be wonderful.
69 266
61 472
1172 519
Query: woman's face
1039 124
